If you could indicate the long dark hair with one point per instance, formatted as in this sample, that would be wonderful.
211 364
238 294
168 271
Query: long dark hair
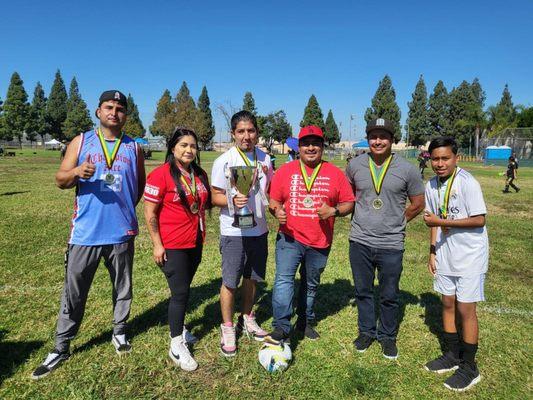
175 172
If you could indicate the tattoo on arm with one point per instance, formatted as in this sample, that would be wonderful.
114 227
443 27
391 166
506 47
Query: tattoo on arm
154 224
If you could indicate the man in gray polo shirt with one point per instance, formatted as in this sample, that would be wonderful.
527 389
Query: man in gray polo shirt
382 182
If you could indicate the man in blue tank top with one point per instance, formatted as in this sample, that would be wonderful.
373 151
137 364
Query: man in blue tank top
107 169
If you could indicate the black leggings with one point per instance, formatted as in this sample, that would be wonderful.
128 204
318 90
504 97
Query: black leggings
179 269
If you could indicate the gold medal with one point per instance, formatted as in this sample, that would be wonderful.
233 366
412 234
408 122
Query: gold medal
378 175
377 203
194 208
308 202
109 178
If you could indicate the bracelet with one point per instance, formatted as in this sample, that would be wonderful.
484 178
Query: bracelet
432 249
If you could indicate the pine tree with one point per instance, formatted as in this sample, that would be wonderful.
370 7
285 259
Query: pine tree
503 115
439 111
78 118
313 114
466 112
57 106
206 129
331 132
186 112
37 119
163 124
417 124
248 103
15 110
134 126
384 106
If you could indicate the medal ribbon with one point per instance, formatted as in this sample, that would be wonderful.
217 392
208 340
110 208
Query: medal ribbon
192 186
245 157
378 174
444 206
309 181
109 158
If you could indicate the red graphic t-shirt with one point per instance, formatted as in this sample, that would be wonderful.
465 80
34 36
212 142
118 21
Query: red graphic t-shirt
303 223
178 226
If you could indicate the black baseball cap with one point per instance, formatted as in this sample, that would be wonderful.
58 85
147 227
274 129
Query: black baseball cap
115 95
382 124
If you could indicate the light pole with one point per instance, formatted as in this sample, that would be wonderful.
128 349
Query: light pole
352 117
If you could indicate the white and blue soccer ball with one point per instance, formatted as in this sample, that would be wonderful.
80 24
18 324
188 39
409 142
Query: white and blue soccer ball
275 357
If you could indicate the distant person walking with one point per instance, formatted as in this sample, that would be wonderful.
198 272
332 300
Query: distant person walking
176 196
511 173
107 169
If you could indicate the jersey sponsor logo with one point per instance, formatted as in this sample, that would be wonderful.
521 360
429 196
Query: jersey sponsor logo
152 190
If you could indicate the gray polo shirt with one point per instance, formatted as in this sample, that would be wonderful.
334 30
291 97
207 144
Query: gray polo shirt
383 228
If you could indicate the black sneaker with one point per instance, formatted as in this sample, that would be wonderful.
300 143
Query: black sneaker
52 361
277 336
306 329
390 351
121 344
466 376
362 343
445 363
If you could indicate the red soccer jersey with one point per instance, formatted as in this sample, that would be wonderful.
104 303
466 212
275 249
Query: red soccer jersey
178 226
303 223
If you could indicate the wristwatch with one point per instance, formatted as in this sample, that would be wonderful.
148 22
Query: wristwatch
337 212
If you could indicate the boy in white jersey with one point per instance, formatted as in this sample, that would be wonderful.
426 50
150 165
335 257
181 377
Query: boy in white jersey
458 259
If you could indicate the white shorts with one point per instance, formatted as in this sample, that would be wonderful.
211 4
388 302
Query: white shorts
467 289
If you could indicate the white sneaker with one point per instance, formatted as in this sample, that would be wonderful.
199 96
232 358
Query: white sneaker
122 346
180 354
189 337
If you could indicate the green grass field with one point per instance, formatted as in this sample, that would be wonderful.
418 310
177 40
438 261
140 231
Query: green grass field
34 225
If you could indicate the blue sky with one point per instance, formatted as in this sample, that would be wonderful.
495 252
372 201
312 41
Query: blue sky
281 51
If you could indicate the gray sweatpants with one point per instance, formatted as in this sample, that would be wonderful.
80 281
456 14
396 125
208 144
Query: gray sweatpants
81 263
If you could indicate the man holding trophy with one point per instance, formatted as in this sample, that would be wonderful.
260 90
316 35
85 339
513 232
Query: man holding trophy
239 180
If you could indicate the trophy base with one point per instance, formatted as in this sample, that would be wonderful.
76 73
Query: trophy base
245 221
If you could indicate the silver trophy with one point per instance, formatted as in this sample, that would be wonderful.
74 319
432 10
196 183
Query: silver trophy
243 179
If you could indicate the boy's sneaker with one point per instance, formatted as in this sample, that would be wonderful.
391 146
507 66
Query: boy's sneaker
362 343
277 336
121 344
249 326
389 348
189 337
180 354
52 361
466 376
228 345
445 363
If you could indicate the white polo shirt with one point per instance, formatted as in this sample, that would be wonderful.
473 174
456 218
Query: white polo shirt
232 158
460 251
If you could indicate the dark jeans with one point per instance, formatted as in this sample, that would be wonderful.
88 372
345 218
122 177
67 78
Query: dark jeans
179 269
364 261
289 255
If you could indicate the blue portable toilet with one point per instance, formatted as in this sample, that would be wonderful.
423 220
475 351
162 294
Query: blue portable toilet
497 153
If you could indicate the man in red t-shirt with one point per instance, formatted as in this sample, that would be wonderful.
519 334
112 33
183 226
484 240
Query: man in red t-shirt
305 196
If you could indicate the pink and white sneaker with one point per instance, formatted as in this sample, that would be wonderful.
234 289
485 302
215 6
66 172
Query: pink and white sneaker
228 343
249 326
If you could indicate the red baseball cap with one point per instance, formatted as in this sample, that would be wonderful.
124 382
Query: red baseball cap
310 130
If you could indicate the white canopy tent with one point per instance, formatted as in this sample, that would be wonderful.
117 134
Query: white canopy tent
52 144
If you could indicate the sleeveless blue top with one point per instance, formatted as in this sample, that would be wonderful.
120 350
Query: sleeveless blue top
104 213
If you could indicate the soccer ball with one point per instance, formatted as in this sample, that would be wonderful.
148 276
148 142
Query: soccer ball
275 357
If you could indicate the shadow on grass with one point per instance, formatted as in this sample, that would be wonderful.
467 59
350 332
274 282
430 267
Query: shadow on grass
433 315
157 315
14 354
372 381
13 193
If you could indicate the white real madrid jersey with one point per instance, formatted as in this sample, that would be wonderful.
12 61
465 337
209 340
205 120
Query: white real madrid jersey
460 251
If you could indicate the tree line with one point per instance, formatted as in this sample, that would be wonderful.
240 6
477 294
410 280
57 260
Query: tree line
459 112
61 115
